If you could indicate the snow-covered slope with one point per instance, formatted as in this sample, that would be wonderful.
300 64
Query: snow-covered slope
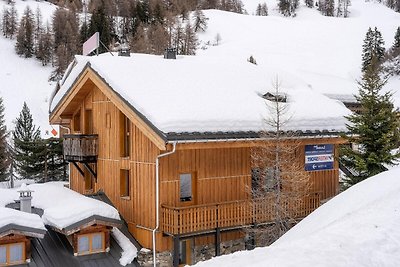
322 53
24 79
359 227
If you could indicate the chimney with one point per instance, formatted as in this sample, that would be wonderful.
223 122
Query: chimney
25 197
124 51
170 53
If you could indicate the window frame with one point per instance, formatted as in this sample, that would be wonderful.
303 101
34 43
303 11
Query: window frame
125 183
90 238
125 135
8 245
191 197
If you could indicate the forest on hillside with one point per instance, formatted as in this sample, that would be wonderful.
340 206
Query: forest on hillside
145 26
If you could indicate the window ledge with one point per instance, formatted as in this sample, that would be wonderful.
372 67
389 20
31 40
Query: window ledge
126 198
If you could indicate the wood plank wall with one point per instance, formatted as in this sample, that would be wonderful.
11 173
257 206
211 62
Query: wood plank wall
223 174
138 209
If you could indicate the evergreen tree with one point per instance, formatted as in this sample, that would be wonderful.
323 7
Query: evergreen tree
66 40
44 51
373 50
101 23
25 36
9 21
200 21
4 151
309 3
55 166
396 43
374 129
190 40
288 7
28 146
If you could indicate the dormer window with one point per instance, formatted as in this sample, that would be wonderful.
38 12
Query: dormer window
12 254
275 97
91 243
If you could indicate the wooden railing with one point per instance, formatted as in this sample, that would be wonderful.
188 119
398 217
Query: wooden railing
80 147
208 217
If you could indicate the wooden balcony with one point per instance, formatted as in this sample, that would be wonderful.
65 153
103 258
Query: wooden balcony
80 148
235 214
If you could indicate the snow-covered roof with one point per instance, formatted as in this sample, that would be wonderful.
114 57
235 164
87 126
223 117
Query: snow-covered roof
61 206
206 94
359 227
11 219
64 207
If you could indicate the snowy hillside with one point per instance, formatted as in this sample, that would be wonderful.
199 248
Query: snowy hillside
309 50
359 227
25 79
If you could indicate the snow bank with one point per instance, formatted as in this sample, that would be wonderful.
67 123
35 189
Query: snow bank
129 251
12 216
63 207
359 227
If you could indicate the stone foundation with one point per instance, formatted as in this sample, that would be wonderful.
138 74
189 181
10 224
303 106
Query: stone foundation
201 253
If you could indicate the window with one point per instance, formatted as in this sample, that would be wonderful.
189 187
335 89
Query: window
91 243
77 121
185 184
124 183
11 254
124 124
262 180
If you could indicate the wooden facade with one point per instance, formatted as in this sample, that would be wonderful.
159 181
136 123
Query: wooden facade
220 172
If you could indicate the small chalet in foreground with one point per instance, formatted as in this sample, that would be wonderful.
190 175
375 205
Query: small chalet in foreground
49 225
170 143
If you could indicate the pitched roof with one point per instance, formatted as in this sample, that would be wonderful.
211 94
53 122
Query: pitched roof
15 221
204 94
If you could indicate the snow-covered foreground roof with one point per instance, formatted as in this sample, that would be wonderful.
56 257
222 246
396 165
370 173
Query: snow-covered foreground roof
62 207
15 217
200 94
359 227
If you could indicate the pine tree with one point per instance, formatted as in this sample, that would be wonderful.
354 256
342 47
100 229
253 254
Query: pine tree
375 130
309 3
66 40
28 146
373 51
55 166
101 23
190 40
25 37
200 21
396 43
4 151
44 51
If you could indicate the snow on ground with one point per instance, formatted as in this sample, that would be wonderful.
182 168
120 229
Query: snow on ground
25 79
17 183
129 251
322 52
359 227
11 216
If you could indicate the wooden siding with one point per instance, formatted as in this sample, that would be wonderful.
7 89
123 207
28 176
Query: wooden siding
221 170
138 208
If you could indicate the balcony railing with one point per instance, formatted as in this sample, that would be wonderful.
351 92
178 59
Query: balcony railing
235 214
80 147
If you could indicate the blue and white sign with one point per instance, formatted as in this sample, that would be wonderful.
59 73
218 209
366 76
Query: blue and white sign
319 157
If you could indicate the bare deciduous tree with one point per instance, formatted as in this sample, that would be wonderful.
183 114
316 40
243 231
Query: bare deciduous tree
280 186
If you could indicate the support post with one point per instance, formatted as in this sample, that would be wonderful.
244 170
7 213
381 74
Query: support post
217 242
175 256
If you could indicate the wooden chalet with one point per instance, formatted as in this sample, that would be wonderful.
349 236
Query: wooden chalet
114 146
